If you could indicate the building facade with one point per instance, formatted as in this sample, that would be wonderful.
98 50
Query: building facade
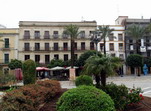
114 43
44 41
8 45
144 43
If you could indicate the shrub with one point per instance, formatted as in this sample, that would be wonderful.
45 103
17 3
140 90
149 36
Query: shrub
30 97
52 86
7 79
17 101
29 72
121 95
85 98
15 64
84 80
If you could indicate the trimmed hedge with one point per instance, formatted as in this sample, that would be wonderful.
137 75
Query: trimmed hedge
30 97
85 98
29 72
84 80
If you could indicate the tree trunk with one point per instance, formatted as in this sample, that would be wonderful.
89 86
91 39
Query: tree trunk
138 71
136 46
72 52
104 47
103 79
97 80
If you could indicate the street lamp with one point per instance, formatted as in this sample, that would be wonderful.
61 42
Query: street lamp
96 38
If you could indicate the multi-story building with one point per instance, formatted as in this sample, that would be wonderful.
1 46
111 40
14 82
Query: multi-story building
44 41
114 43
144 43
8 45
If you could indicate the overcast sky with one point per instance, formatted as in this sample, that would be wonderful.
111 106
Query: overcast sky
103 11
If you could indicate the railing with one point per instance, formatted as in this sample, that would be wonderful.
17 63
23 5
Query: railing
56 49
4 61
55 36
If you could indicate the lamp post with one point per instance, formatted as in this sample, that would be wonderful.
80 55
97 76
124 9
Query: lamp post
95 38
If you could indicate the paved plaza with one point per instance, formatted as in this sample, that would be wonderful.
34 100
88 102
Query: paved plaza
143 82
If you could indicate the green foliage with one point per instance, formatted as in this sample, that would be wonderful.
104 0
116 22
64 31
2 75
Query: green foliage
29 72
84 80
121 95
147 61
134 60
85 98
83 57
15 64
30 97
7 79
55 63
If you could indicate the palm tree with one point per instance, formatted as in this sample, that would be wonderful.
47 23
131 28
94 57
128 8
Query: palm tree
73 32
106 31
101 66
136 32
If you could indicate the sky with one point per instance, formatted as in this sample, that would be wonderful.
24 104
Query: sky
103 11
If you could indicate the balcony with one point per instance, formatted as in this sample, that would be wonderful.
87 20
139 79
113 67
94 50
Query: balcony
46 36
26 37
55 36
6 47
27 49
4 61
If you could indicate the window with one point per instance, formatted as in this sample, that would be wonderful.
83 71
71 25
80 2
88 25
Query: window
6 43
91 33
82 34
65 57
82 45
27 57
37 46
111 37
26 34
6 58
65 36
56 48
101 46
26 46
37 34
46 35
65 46
46 46
37 58
111 46
121 56
47 59
55 34
148 54
120 37
75 56
120 46
130 41
113 54
56 56
91 45
75 46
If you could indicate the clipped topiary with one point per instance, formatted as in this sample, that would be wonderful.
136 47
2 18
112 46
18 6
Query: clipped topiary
85 98
84 80
29 72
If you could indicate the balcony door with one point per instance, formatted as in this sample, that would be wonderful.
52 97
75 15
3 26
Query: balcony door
6 58
6 43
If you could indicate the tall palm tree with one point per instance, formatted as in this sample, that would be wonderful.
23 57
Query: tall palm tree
136 32
106 31
73 32
101 66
